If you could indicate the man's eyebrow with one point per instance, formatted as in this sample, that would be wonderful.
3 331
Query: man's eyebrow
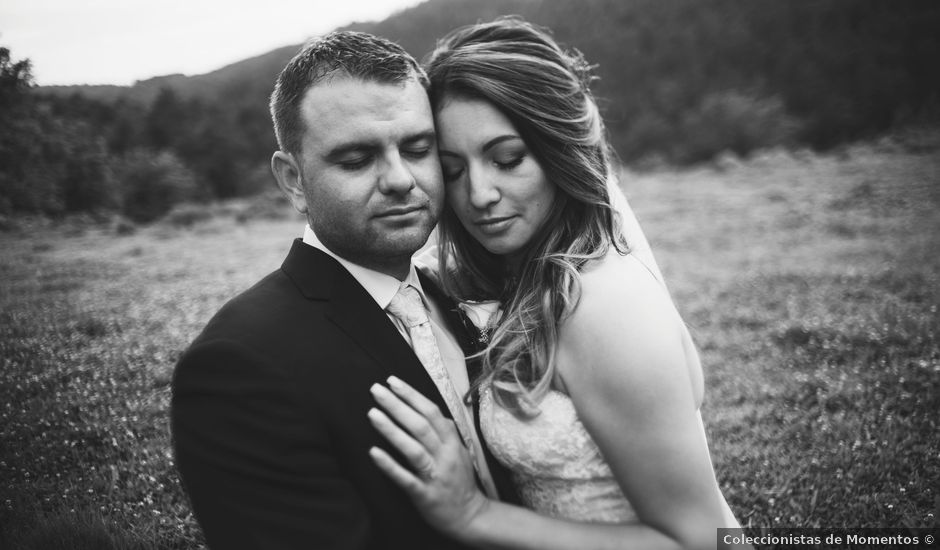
427 135
350 147
367 146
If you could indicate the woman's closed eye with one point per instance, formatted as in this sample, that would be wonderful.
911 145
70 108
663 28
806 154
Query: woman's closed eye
452 175
451 168
508 162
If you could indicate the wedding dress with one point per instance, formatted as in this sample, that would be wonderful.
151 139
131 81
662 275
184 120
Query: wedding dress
556 466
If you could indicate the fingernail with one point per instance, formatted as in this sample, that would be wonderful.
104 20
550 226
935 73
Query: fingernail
394 382
378 390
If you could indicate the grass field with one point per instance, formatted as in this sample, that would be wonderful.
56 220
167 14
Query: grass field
811 284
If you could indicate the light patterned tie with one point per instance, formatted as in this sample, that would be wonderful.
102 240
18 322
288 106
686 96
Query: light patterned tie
407 306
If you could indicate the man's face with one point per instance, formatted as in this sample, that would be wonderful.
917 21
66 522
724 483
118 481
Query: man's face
371 175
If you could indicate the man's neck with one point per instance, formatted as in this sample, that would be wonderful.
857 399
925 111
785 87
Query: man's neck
399 271
397 268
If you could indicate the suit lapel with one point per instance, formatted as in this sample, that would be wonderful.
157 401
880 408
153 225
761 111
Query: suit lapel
320 277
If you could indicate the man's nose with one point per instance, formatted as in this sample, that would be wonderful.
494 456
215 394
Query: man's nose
396 178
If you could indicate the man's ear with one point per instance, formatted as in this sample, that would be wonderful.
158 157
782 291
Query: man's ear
287 173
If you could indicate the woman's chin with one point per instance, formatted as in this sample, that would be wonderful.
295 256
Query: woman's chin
501 248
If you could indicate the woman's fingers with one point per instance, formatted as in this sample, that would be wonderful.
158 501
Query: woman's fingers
417 422
440 480
416 453
421 404
400 475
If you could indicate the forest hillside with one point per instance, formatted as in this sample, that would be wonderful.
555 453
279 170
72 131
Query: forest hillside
680 82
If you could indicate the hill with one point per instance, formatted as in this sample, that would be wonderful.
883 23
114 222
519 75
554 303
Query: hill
681 79
262 68
680 82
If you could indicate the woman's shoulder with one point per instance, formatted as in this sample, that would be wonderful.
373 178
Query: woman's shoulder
622 308
624 333
618 280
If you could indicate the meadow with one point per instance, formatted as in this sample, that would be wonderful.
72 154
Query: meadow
811 284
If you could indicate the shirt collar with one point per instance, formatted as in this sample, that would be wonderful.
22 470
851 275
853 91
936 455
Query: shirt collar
380 286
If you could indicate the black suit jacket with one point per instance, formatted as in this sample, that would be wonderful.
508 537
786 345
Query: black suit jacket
269 416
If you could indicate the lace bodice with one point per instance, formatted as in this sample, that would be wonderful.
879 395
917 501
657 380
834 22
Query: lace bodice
555 464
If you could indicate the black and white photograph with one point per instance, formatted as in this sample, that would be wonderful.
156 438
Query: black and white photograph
469 274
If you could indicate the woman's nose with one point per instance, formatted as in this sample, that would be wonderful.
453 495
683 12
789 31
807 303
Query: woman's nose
483 190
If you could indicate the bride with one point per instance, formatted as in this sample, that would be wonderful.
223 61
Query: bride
590 385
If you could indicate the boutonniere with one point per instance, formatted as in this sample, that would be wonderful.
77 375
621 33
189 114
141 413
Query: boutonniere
481 318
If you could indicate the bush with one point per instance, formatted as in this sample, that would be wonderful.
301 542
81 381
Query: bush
153 182
88 183
188 214
270 205
254 181
735 121
123 227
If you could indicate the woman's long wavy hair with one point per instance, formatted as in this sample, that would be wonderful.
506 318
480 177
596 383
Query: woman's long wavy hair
544 91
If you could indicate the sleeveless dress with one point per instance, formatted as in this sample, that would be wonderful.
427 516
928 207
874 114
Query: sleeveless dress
555 464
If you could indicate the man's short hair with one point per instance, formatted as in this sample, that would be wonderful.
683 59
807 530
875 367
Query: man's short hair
346 53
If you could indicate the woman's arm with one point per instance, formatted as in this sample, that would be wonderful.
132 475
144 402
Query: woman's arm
622 360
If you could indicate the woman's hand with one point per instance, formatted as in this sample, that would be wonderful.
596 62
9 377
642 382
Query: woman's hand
444 489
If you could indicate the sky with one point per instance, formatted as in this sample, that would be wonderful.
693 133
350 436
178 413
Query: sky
122 41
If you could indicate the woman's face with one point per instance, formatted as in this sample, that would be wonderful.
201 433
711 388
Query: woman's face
492 182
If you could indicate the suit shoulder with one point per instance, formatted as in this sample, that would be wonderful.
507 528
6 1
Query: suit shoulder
256 322
263 302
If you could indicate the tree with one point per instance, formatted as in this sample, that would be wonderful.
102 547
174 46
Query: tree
53 158
166 120
15 79
154 182
20 131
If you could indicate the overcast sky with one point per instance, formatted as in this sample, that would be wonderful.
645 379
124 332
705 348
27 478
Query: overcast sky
121 41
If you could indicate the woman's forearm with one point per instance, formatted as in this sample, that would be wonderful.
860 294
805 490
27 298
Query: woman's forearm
501 526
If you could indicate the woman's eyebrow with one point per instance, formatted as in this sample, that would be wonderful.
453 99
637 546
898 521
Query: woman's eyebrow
497 140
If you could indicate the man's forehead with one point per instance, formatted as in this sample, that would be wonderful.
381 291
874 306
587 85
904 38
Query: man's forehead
346 107
346 93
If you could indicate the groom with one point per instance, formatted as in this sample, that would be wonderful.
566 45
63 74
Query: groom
270 401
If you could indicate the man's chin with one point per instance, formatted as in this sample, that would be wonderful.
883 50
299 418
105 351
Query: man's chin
407 240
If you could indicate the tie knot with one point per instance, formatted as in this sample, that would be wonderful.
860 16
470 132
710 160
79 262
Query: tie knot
407 306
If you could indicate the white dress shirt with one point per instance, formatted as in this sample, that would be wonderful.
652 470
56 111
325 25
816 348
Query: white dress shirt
383 288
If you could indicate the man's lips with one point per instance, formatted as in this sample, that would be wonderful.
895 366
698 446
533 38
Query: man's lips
399 211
